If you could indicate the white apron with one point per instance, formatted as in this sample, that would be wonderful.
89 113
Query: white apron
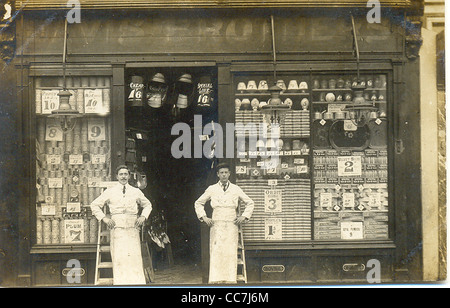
126 251
223 246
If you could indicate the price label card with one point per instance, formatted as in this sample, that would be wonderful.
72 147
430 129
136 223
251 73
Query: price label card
98 158
55 182
302 169
50 101
95 182
273 201
351 230
325 199
75 159
53 159
53 131
375 199
48 210
349 166
241 170
270 170
273 229
73 207
96 130
296 152
93 101
299 161
272 182
348 200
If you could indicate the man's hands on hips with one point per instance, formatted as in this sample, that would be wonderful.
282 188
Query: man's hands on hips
139 222
207 221
109 222
240 220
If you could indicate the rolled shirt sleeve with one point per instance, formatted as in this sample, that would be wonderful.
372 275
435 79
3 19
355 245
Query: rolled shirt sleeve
146 205
98 204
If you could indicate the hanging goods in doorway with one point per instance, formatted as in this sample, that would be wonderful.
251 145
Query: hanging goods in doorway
183 90
157 91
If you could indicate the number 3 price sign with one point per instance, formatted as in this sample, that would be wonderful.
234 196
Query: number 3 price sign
96 130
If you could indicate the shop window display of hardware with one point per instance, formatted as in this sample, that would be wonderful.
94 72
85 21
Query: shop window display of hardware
331 179
73 161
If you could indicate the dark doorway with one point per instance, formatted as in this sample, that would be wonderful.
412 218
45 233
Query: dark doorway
170 95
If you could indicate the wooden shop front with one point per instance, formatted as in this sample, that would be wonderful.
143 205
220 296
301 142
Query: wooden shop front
345 188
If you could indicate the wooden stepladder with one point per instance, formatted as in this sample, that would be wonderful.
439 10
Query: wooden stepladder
103 265
104 274
241 266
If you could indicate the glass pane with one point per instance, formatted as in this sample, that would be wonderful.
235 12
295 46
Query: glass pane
350 164
273 165
72 158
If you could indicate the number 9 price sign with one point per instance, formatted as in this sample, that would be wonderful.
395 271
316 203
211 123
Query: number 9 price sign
96 130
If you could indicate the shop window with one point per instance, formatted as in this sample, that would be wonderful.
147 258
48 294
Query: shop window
73 161
330 181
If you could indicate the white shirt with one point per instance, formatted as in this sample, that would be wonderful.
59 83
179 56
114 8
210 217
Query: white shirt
224 199
120 203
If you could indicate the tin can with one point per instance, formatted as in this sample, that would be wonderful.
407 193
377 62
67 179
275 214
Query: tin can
80 100
86 230
38 94
93 223
106 100
39 231
55 231
47 231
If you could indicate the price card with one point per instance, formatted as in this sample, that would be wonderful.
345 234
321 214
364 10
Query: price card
96 130
375 199
55 182
93 101
352 230
325 199
75 159
349 165
273 182
53 159
299 161
241 169
348 200
53 131
273 229
73 207
98 158
50 101
302 169
270 170
95 182
272 201
48 210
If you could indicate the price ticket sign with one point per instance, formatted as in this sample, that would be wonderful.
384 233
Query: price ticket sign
93 101
48 210
96 130
50 101
273 228
349 165
273 200
73 207
55 182
352 230
326 199
53 159
348 200
75 159
53 131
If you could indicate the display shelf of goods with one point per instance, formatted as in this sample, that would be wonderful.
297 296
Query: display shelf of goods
282 212
72 167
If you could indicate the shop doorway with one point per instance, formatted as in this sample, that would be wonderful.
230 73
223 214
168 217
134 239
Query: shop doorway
156 100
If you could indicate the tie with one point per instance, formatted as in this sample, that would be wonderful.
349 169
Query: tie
124 189
224 187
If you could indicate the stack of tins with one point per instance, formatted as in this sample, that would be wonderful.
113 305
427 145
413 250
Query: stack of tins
77 178
294 214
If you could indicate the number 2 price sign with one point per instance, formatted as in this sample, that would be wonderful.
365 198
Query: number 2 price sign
96 130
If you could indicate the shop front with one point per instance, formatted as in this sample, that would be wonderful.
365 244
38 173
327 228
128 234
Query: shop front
336 187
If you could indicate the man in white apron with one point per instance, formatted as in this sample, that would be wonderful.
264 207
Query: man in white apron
224 197
123 201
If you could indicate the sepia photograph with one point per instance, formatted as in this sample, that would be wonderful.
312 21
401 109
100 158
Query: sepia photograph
209 144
